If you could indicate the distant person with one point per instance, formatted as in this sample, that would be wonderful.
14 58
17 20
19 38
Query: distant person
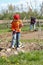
33 24
16 29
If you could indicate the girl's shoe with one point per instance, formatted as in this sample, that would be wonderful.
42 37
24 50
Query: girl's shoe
12 46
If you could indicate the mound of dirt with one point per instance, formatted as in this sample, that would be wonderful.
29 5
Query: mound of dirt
6 51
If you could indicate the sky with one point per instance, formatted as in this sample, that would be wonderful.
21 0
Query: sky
31 3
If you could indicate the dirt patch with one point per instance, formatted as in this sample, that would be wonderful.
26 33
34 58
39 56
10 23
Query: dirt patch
5 43
6 51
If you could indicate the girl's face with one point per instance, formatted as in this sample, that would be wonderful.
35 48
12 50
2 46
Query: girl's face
15 20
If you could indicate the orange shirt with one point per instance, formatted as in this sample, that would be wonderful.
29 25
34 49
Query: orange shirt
15 25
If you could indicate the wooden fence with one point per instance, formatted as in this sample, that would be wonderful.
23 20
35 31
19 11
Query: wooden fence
7 23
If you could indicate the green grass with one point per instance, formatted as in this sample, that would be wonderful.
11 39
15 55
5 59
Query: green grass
25 28
4 28
30 58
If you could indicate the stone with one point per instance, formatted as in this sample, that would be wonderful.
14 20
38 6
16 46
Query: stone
8 50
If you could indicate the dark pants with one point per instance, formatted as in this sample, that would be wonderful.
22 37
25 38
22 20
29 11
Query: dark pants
17 39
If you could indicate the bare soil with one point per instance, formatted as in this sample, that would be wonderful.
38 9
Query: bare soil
5 42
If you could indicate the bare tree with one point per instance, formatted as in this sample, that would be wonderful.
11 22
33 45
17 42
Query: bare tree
41 9
21 7
11 8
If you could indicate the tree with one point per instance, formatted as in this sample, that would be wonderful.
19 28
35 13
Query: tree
41 9
11 8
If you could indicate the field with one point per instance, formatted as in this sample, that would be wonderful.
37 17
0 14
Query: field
32 52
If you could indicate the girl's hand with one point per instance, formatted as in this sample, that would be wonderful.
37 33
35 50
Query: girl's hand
21 25
14 32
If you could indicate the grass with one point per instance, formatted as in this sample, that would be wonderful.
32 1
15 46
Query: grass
7 29
33 40
30 58
25 28
4 30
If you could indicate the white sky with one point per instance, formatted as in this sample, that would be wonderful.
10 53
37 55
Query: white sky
31 3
